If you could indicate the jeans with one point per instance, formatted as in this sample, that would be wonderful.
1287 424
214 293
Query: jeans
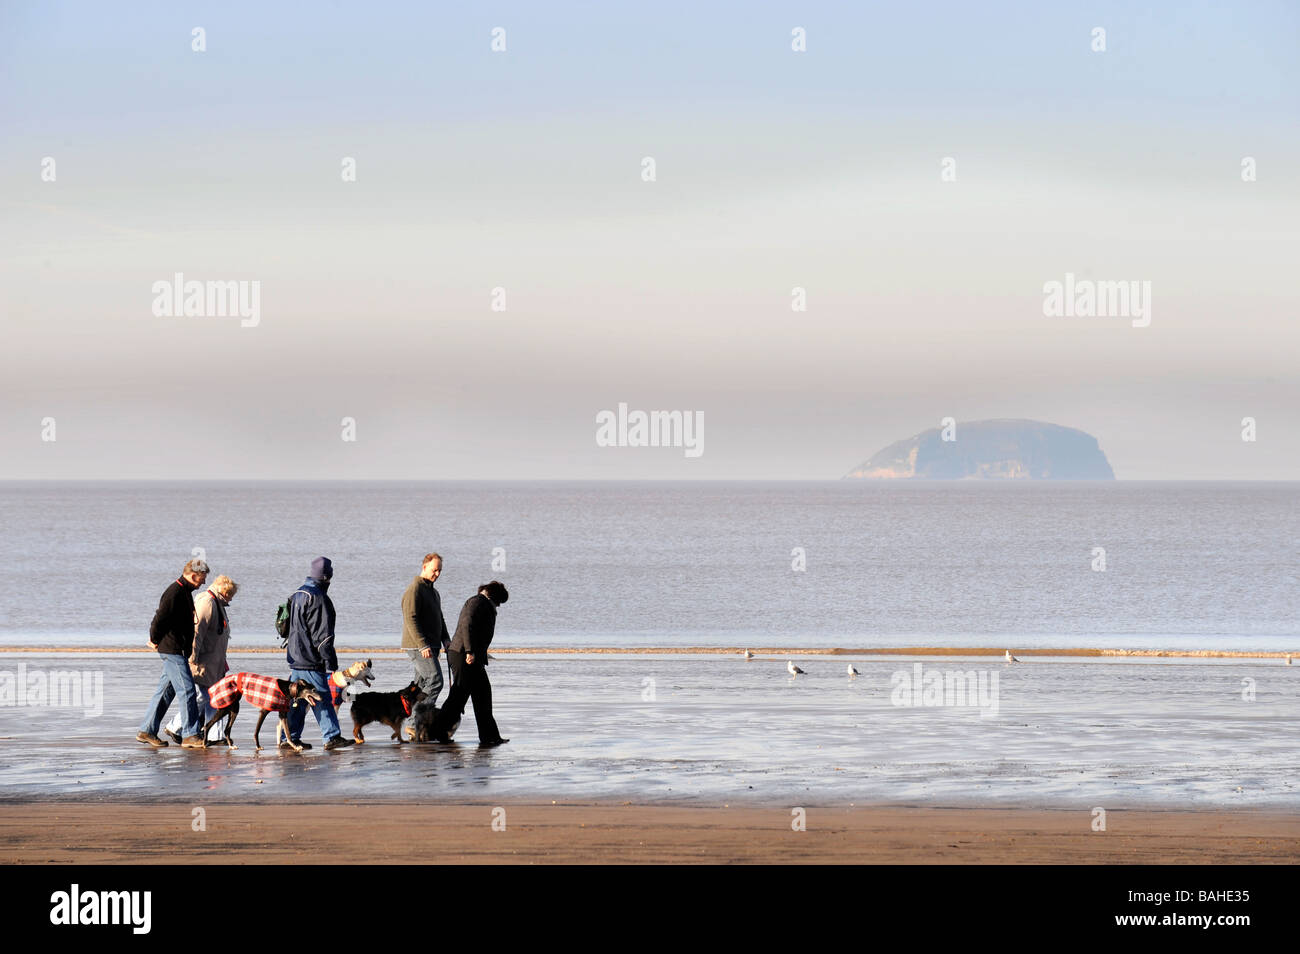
428 674
206 712
175 683
324 710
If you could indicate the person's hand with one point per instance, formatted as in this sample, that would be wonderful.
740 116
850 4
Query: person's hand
469 659
153 645
426 652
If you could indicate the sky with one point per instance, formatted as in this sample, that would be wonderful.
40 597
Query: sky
516 178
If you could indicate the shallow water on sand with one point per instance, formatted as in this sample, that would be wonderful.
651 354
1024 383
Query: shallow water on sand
1066 732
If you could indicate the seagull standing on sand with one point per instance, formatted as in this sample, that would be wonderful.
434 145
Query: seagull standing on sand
1011 658
852 672
748 654
792 669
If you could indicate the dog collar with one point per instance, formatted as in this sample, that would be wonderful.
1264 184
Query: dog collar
406 705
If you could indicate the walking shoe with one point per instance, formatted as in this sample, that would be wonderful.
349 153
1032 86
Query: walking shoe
497 742
192 742
299 743
338 742
148 739
174 736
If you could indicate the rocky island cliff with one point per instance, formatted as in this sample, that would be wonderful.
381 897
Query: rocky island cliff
1001 450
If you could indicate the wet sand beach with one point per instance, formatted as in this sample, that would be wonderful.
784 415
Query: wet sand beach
407 833
691 758
1074 733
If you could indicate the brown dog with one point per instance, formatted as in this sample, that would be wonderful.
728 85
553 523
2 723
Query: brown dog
269 695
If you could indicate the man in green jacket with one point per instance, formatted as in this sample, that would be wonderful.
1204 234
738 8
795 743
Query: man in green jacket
424 631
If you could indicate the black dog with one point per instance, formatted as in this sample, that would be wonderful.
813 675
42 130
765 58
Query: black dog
423 731
390 708
269 695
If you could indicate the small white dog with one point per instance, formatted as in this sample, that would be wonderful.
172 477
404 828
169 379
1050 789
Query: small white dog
346 679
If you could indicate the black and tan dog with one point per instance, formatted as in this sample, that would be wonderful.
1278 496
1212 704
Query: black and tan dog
268 694
390 708
423 729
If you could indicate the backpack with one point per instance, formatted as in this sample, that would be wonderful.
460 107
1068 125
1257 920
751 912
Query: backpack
282 622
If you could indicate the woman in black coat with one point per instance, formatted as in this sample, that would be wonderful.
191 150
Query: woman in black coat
467 657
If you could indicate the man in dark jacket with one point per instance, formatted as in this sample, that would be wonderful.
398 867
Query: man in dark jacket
467 657
311 653
172 634
424 631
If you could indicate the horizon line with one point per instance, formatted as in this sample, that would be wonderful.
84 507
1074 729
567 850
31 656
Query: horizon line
873 481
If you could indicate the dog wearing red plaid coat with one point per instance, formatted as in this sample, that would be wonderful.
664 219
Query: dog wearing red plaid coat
267 694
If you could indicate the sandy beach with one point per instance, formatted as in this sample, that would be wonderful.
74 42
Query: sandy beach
1064 733
689 759
411 833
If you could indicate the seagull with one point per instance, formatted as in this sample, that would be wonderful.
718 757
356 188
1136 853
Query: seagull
792 669
748 654
852 671
1011 658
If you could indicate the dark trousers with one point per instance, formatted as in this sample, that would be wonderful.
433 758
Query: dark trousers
468 683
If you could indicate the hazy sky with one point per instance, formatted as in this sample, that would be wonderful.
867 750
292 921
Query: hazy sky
522 170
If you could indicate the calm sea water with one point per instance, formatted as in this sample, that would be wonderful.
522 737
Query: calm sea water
1205 565
1066 733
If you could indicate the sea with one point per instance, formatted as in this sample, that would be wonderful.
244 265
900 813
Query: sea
798 567
848 564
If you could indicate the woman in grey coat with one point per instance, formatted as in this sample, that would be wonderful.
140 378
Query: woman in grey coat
211 639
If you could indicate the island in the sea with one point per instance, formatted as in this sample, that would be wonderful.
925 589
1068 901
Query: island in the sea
999 450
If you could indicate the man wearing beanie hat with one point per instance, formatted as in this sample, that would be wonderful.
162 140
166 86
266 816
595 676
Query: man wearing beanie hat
311 653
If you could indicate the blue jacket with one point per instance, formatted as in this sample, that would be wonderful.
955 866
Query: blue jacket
311 628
